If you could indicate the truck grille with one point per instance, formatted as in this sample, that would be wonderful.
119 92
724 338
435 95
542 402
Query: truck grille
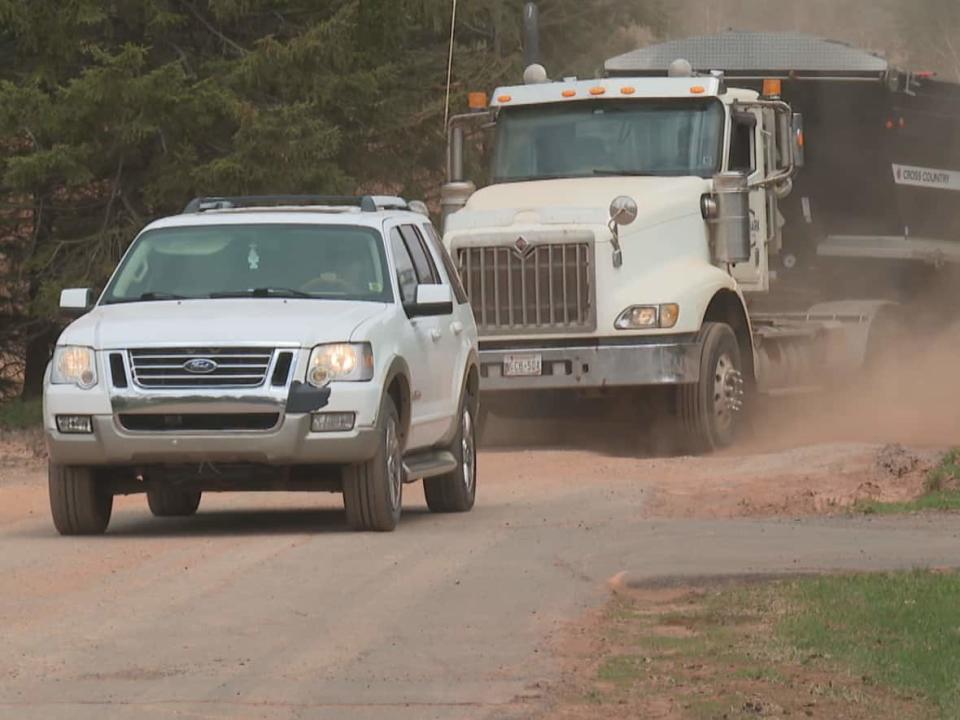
540 288
200 367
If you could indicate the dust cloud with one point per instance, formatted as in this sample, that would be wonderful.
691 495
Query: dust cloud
910 396
920 34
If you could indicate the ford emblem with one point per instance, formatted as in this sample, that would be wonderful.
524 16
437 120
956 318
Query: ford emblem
200 366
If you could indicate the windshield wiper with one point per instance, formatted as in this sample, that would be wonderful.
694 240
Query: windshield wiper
264 292
147 297
625 173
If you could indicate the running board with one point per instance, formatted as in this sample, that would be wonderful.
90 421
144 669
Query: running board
428 464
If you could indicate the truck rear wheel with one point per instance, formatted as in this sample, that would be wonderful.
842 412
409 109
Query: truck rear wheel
78 503
373 490
710 410
456 491
173 502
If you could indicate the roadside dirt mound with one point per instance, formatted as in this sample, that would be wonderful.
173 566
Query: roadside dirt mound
811 480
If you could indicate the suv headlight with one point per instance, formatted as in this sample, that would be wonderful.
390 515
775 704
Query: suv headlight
346 362
648 317
74 365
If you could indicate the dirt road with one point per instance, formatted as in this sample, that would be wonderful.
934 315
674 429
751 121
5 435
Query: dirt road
267 607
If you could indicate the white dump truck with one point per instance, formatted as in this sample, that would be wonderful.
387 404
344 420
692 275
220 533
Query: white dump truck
632 236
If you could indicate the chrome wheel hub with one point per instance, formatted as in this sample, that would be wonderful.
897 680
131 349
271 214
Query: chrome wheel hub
727 392
468 451
394 465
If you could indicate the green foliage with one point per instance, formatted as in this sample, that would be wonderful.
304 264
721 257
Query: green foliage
903 630
20 414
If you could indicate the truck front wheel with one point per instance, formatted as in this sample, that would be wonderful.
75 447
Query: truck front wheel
710 410
78 503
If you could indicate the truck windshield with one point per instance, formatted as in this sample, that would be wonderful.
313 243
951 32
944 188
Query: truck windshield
223 261
631 137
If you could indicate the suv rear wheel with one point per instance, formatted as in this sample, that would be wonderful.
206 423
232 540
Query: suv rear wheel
78 503
456 491
373 490
173 502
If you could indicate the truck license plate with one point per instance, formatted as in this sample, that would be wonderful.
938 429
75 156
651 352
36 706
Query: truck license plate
523 365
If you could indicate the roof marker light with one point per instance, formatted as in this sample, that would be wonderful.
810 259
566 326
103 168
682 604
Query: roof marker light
772 87
569 93
599 90
627 90
698 90
504 98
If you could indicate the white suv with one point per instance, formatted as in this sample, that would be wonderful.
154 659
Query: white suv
268 343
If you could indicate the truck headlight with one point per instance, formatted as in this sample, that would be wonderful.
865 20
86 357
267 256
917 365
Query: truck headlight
647 317
74 365
350 362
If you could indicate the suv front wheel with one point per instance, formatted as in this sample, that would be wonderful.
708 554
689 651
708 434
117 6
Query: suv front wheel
373 490
78 502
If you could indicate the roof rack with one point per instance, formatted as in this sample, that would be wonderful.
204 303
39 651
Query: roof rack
366 203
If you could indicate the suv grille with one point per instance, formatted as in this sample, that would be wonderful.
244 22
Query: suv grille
546 288
200 367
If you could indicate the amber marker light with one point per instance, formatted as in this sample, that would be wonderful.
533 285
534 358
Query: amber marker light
569 93
698 90
772 88
504 98
598 90
627 90
477 100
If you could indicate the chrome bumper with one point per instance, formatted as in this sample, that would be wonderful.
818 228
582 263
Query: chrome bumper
651 361
290 443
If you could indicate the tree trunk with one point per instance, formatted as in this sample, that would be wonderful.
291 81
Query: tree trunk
35 363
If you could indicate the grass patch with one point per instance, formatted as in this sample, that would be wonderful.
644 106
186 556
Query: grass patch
20 414
899 630
621 669
942 492
855 647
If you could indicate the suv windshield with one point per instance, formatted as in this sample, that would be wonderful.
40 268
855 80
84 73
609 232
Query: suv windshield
632 137
312 261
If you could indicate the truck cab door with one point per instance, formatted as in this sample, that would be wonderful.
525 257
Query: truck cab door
748 143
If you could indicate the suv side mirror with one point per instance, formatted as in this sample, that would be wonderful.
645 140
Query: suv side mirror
74 302
432 300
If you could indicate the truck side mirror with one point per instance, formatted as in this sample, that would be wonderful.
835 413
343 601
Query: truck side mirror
729 212
799 142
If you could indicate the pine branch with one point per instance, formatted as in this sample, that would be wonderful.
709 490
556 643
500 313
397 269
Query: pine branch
212 28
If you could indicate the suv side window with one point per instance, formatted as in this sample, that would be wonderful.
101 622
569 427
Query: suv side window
448 264
426 270
406 272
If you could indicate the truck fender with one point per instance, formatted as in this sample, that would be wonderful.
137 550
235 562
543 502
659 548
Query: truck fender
728 306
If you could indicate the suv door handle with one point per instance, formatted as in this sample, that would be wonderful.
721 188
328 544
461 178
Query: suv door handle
457 327
435 335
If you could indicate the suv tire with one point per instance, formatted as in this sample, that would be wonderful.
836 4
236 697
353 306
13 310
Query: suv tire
373 490
173 502
78 503
456 491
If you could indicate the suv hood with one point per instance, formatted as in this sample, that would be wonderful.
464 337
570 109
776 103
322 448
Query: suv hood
205 323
